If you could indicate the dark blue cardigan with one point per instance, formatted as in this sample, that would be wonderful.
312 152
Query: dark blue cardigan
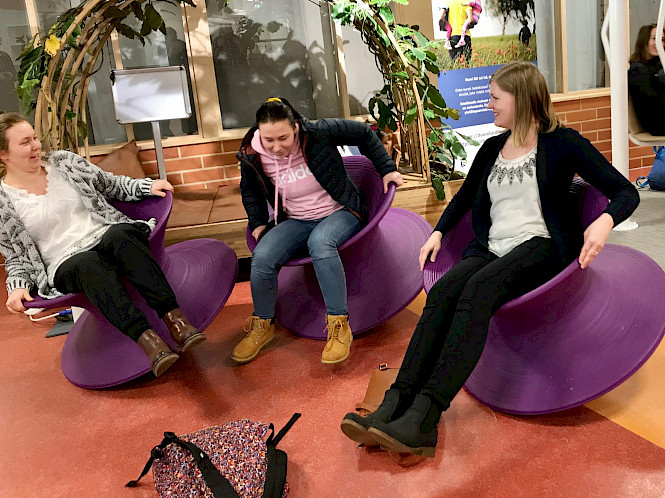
561 154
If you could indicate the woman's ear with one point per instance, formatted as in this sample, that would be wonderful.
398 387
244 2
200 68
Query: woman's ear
296 128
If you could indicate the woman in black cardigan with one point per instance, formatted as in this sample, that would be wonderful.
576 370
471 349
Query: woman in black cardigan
646 82
525 233
293 164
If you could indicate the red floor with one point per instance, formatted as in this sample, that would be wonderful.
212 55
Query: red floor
60 440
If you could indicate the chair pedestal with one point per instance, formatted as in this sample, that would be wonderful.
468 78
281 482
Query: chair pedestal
382 278
97 355
574 338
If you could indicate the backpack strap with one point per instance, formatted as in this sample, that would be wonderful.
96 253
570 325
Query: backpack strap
274 440
277 462
218 484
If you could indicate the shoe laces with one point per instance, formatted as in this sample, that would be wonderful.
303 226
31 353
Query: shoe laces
334 328
255 327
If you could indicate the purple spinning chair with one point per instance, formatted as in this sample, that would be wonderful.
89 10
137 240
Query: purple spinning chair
380 262
201 272
573 338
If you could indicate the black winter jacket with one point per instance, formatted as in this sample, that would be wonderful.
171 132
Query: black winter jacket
319 141
561 154
646 85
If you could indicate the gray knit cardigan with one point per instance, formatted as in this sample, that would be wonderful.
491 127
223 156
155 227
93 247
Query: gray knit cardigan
23 263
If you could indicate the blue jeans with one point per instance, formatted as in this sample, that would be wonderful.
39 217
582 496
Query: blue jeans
322 237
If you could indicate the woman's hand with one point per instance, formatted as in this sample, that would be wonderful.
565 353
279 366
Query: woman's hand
16 298
595 237
159 188
433 246
393 176
256 233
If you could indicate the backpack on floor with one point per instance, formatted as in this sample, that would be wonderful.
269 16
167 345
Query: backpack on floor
234 460
656 178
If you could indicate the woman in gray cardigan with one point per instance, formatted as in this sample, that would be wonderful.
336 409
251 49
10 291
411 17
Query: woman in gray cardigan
58 234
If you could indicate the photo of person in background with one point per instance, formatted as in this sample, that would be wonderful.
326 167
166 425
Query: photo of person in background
474 9
459 13
525 33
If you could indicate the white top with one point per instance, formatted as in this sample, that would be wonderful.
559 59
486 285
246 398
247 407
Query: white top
57 222
516 213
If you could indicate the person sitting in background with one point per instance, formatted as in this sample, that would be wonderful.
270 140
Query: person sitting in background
646 82
293 164
59 234
389 142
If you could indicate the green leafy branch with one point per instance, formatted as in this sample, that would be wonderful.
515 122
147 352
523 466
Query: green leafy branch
444 147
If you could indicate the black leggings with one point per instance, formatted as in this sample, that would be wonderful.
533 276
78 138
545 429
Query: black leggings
452 330
123 251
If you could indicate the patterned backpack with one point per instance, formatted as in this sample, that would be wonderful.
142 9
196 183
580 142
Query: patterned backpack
232 460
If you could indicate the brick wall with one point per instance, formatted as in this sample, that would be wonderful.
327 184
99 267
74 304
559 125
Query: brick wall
209 165
592 118
199 166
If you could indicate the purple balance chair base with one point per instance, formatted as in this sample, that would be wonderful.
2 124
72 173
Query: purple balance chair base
573 338
201 272
382 278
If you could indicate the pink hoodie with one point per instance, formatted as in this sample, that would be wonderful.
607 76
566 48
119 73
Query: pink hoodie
302 196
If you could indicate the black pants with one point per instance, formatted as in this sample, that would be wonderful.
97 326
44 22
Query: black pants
465 50
452 330
122 252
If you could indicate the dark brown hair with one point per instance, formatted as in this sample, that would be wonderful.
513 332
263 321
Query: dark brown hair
640 53
277 109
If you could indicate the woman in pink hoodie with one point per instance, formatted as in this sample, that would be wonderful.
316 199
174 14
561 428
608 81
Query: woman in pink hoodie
293 164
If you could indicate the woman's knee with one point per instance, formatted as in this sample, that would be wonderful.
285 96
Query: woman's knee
263 261
321 246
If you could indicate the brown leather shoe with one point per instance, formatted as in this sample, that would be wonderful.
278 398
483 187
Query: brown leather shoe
158 351
183 333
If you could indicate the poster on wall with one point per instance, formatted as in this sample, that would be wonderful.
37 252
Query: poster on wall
477 38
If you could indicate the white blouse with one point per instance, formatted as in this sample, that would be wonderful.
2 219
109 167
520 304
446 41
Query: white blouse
516 213
57 222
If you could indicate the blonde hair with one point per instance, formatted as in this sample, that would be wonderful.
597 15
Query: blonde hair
7 120
526 83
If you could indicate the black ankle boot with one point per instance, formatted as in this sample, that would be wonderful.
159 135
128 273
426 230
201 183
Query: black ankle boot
355 426
414 432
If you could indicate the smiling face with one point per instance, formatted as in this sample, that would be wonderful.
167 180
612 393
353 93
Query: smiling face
502 104
278 137
651 46
24 150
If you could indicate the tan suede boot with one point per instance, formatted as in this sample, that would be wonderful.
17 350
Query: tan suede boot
158 351
183 333
259 333
340 338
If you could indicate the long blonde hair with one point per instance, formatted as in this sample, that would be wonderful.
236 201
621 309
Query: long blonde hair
526 83
7 120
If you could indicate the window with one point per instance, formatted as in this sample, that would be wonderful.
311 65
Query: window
363 78
586 57
161 50
14 34
270 48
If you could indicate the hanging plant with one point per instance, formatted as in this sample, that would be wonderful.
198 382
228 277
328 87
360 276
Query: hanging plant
405 57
